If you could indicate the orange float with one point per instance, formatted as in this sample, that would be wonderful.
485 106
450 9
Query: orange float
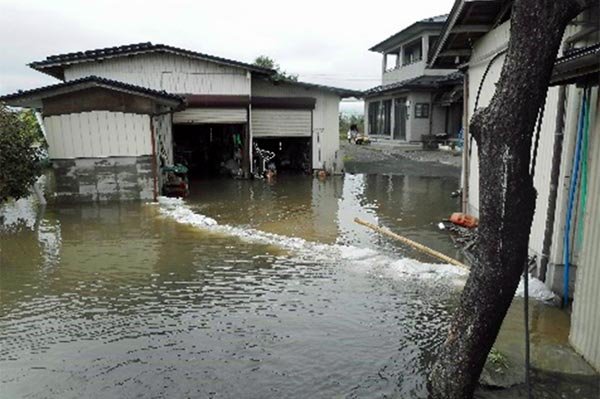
462 219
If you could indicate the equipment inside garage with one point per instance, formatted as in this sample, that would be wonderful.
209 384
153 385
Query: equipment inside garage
291 154
209 150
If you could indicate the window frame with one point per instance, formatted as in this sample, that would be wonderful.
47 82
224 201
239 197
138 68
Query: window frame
422 110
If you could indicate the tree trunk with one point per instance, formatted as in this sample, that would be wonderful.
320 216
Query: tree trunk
503 132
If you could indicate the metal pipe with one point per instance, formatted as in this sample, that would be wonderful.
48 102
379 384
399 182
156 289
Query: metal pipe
573 187
554 179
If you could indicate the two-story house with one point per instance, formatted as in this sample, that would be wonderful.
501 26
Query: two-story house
123 113
413 100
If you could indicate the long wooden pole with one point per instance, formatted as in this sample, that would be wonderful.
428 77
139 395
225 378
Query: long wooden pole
413 244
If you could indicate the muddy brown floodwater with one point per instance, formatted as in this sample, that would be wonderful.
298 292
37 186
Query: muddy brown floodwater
244 290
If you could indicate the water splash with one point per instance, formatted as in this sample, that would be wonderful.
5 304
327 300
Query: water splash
360 260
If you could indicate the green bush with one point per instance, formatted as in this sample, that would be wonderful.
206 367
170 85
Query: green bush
21 153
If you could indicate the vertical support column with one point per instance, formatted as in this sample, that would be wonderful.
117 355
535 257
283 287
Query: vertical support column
392 118
247 147
154 160
383 64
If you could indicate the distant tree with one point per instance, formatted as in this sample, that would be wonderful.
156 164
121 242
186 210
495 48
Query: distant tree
264 61
21 143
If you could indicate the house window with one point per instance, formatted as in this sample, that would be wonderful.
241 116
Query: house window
421 110
413 52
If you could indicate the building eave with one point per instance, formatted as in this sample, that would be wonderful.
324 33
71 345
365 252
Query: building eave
415 84
467 22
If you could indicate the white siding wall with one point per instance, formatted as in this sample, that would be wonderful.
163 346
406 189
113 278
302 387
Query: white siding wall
169 72
585 320
326 141
483 50
98 134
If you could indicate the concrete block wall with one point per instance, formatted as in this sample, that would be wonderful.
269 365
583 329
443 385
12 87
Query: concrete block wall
102 179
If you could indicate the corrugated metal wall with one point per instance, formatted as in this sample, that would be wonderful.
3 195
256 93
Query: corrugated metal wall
281 123
98 134
211 115
173 73
585 319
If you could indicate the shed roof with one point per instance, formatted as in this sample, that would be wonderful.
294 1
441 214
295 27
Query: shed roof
54 65
32 98
408 32
337 90
421 82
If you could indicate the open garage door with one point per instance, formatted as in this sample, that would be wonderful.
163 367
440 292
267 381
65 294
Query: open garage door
281 123
211 115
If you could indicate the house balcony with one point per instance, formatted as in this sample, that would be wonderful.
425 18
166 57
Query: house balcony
410 71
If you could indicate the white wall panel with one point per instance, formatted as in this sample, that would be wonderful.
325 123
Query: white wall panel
585 319
169 72
98 134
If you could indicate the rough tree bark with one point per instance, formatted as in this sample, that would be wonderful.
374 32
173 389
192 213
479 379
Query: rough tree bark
503 132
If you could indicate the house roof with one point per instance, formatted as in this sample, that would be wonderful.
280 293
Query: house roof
408 32
54 65
467 22
32 98
421 82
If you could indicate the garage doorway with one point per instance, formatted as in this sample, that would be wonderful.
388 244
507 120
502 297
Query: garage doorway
210 150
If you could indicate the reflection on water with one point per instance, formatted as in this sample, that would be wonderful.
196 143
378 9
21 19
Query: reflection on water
118 300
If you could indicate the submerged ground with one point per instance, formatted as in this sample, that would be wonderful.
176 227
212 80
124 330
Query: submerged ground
247 289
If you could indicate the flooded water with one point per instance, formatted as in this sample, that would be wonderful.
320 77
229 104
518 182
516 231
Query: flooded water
246 289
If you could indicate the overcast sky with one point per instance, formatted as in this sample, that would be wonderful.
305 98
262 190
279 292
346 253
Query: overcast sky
323 41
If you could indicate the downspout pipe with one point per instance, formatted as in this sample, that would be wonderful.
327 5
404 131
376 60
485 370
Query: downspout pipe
466 144
554 181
